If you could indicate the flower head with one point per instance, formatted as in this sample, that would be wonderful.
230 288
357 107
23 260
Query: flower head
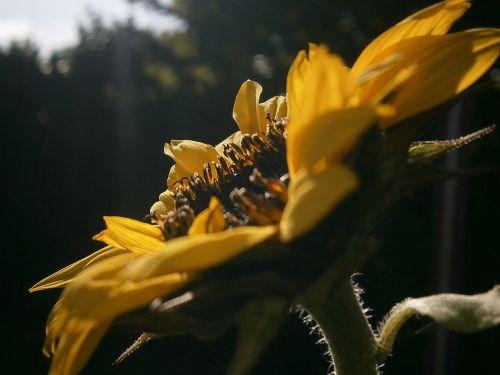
284 172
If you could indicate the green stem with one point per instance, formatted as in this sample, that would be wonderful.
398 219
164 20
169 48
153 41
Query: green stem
350 339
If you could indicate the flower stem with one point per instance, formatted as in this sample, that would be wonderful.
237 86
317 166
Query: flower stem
342 322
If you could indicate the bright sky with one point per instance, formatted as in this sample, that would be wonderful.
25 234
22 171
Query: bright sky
53 24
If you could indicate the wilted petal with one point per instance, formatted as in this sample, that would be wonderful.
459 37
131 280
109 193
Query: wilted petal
245 107
158 209
433 20
167 198
189 157
276 107
312 196
133 235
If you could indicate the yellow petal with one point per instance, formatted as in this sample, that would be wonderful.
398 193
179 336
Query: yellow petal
445 66
133 235
189 157
189 254
382 85
76 346
312 196
328 137
433 20
296 82
276 107
106 290
127 282
68 273
245 107
317 84
210 220
88 306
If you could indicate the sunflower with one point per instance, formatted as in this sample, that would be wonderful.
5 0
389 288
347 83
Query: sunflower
271 183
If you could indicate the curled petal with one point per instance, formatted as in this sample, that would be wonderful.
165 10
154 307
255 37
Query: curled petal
245 107
276 107
189 157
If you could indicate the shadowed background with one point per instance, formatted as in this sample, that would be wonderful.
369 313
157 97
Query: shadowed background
83 133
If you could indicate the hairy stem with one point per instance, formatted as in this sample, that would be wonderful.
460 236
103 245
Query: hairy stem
349 337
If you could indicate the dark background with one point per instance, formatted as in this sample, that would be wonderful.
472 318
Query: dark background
88 141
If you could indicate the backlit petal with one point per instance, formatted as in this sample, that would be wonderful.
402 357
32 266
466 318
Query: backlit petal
312 196
444 67
133 235
322 79
245 107
317 85
328 137
433 20
295 83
